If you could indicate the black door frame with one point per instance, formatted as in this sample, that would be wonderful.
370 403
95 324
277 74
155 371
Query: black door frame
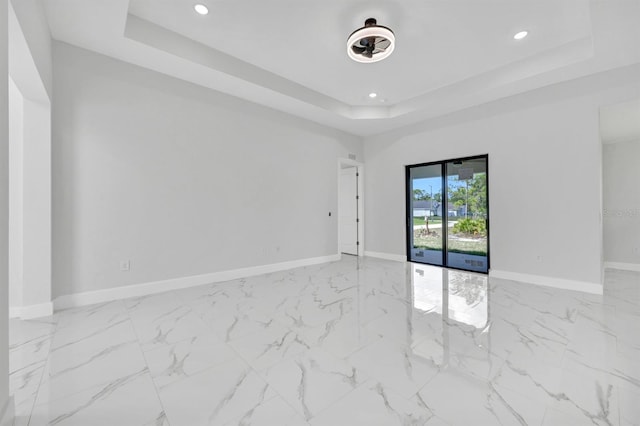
445 208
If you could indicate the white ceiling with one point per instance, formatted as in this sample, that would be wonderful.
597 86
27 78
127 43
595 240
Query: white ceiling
620 122
291 55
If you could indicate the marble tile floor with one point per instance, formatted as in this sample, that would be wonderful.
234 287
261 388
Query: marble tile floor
355 342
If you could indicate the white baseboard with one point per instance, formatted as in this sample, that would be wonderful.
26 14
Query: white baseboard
31 311
583 286
387 256
624 266
144 289
8 412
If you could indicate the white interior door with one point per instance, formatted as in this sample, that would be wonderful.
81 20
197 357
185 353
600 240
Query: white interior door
348 220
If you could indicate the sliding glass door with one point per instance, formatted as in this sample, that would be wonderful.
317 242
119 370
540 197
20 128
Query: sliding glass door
424 205
468 236
448 213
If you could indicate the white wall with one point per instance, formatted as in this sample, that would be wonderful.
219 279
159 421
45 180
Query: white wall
16 172
622 202
4 213
30 154
545 175
169 175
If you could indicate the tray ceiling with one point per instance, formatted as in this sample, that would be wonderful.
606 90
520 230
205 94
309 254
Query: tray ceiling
291 55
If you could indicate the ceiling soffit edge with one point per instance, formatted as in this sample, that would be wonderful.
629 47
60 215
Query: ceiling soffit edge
452 95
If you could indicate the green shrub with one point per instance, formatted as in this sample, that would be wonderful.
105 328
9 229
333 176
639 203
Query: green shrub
470 227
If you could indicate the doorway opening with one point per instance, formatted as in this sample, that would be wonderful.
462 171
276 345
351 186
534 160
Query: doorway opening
350 208
620 138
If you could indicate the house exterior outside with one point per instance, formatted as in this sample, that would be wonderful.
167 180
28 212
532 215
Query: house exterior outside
424 208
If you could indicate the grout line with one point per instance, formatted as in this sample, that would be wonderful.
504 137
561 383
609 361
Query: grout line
146 362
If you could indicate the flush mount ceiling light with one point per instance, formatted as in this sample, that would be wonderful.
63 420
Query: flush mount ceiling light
521 35
201 9
371 43
373 95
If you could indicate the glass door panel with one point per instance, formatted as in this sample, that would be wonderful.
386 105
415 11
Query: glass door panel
467 214
424 206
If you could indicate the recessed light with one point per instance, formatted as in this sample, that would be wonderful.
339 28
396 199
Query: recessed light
201 9
373 95
521 35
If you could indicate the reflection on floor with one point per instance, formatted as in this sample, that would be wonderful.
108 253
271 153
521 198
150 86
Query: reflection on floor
355 342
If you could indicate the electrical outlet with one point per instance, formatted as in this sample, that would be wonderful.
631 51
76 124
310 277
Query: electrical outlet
539 258
125 265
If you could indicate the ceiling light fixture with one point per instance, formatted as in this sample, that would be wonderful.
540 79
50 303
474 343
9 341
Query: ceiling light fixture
373 95
521 35
201 9
371 43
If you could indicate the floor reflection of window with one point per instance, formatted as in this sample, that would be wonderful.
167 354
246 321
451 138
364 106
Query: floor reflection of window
468 299
467 294
443 298
427 289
